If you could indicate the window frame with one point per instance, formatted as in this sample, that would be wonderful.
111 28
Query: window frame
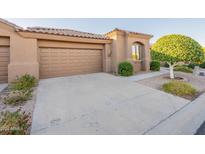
136 53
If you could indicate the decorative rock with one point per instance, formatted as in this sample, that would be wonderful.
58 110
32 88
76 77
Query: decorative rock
201 73
196 71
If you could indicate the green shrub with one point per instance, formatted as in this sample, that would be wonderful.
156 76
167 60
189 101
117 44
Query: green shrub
179 88
183 69
166 65
125 69
192 65
24 82
202 65
177 48
17 97
155 66
15 123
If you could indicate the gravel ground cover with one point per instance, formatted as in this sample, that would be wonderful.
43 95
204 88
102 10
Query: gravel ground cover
28 106
198 82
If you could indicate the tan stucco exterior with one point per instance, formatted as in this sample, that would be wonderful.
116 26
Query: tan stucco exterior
23 53
122 49
24 48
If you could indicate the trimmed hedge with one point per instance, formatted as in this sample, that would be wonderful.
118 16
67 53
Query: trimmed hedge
125 69
179 88
155 66
183 69
177 48
202 65
192 65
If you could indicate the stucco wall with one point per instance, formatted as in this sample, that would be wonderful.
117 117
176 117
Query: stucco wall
107 65
146 51
23 54
114 51
24 47
23 57
122 50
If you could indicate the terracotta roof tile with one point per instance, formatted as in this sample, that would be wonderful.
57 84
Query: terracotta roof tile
65 32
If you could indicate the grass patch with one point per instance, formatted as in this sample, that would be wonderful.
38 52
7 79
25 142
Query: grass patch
183 69
179 88
18 97
15 123
25 82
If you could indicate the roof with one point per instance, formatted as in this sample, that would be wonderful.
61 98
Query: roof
64 32
131 32
10 24
68 32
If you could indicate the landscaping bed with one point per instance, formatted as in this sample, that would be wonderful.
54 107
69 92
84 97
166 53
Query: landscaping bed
196 82
17 103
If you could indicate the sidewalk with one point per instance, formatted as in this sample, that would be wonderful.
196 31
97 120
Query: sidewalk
138 77
186 121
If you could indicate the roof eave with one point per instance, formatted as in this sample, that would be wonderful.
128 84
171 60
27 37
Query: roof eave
34 32
129 32
45 36
12 25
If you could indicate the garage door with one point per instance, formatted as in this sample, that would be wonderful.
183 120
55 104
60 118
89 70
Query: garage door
56 62
4 61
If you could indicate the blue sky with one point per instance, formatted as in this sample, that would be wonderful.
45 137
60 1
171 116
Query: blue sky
194 28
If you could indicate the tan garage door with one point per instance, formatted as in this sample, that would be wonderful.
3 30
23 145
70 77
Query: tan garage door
56 62
4 61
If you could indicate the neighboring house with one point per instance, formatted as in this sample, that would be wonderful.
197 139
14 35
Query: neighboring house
50 52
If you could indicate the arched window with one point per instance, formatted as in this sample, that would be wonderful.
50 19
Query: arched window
137 51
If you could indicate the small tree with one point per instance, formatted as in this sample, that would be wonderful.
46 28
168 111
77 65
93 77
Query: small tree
204 53
175 49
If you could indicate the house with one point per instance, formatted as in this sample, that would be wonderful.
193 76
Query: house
51 52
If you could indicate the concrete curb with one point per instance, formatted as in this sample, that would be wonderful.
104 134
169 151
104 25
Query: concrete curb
148 75
2 86
184 122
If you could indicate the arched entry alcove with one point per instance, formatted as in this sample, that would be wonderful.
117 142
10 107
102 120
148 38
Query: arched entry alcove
138 56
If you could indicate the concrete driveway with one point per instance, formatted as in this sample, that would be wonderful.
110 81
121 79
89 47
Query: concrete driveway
99 104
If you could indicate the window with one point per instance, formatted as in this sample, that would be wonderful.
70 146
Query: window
136 51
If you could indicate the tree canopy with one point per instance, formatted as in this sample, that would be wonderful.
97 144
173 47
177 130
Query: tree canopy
177 48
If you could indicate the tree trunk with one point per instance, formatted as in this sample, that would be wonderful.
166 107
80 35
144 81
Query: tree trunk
171 70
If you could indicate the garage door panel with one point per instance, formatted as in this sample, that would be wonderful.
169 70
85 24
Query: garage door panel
3 79
3 69
4 54
4 61
63 62
4 73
